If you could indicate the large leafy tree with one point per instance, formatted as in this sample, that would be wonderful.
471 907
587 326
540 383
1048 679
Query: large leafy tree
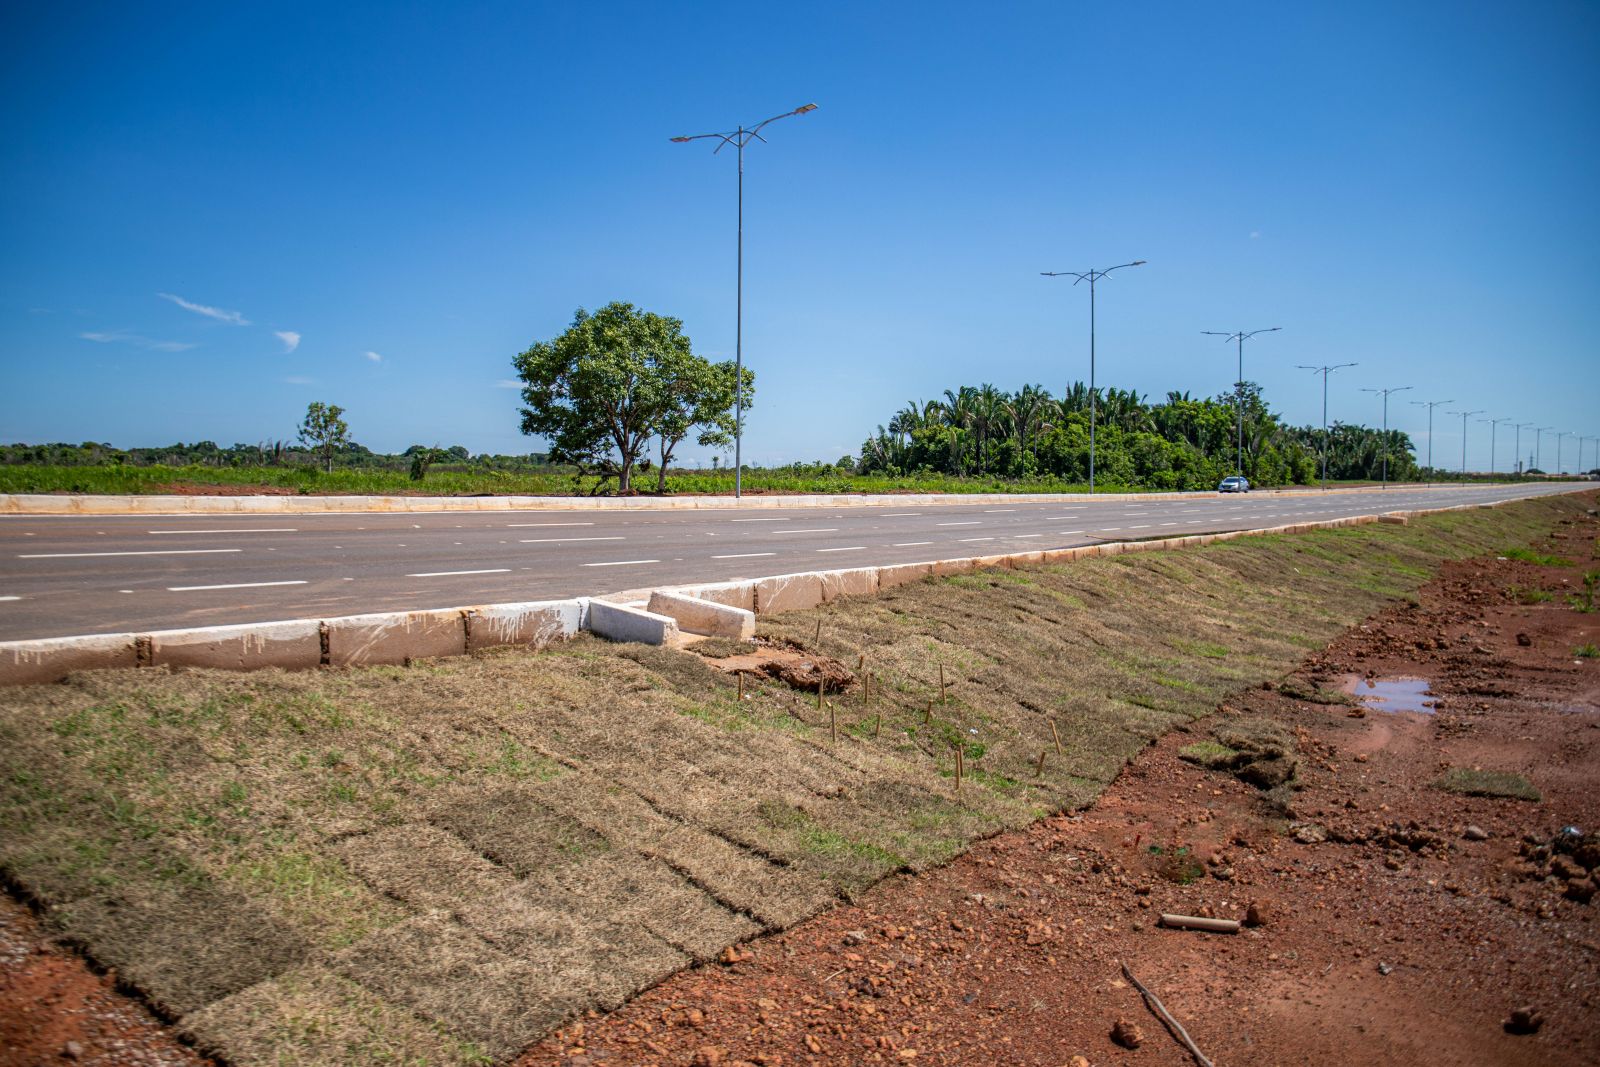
616 379
324 431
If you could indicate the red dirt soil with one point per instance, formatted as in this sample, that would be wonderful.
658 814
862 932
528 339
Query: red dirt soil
1388 933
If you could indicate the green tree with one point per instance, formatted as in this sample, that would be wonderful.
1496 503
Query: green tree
613 381
697 393
324 431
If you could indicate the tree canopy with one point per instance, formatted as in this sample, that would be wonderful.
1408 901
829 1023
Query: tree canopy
618 379
324 431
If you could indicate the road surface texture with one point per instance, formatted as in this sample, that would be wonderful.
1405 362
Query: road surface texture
64 576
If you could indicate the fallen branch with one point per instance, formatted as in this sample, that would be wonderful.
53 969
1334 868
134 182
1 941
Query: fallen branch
1154 1004
1196 922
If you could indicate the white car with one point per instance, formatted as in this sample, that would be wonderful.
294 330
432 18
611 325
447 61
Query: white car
1234 484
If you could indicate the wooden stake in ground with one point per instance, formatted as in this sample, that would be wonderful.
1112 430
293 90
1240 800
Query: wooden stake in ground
958 768
1057 735
818 640
741 686
1038 772
943 696
833 721
822 688
861 661
927 716
1154 1004
877 725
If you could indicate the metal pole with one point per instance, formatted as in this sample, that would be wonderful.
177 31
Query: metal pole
1238 402
740 137
1324 427
1091 276
1091 382
1386 439
738 340
1518 445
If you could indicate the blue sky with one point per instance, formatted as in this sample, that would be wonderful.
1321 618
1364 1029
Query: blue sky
214 214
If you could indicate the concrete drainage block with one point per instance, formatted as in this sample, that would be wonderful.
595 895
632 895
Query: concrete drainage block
704 616
619 622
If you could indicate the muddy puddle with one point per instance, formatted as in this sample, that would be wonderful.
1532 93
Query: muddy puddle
1392 694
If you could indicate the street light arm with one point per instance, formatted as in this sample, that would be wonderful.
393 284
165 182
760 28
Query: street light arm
801 110
1269 329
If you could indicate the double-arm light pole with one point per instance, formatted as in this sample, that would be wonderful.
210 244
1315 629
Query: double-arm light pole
1559 436
1324 371
1430 405
1519 427
1465 415
1385 393
1241 336
1538 450
1091 276
739 138
1494 424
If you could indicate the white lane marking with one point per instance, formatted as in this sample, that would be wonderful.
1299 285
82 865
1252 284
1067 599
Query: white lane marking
825 529
265 529
1169 524
1024 537
1110 529
898 514
853 548
745 555
963 539
785 518
910 544
526 524
10 598
449 574
563 540
998 511
622 563
969 522
235 585
149 552
1140 526
1069 533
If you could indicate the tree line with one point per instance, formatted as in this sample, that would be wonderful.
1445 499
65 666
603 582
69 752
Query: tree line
1179 443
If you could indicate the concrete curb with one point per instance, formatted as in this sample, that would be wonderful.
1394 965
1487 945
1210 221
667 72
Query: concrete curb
397 637
82 504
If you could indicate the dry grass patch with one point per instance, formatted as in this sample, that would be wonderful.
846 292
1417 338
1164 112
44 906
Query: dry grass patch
439 863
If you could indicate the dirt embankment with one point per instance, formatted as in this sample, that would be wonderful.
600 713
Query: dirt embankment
1396 921
393 864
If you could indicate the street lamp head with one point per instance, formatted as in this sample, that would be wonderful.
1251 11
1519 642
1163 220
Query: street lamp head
681 140
803 108
1138 263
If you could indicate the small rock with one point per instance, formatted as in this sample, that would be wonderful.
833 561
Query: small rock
1580 889
1524 640
72 1051
1078 1061
1385 968
1127 1034
813 1045
1475 833
855 937
1524 1021
1255 914
1309 833
709 1056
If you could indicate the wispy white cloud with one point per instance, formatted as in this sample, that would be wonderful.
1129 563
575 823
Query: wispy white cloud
374 357
295 379
111 337
508 383
233 318
290 339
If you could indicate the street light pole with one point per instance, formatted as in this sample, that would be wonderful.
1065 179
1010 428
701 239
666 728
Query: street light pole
1324 371
739 138
1538 452
1494 424
1464 416
1238 387
1519 427
1386 392
1091 276
1430 405
1559 436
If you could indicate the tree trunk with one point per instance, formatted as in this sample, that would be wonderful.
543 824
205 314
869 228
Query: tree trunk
625 476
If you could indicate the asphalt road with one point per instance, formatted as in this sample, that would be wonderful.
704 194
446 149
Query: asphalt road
62 576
